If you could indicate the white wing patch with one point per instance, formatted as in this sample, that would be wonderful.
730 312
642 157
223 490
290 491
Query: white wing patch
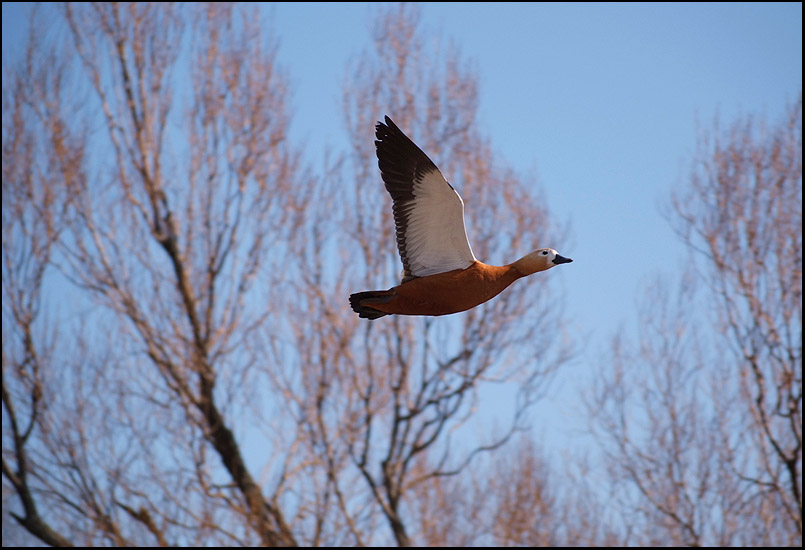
435 236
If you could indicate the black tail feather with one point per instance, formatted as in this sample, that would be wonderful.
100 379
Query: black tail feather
365 310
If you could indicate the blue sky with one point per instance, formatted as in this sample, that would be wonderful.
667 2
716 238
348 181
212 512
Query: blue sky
601 101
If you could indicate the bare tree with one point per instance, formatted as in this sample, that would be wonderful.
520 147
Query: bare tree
33 219
501 499
173 206
704 434
392 408
525 510
744 212
515 497
180 364
661 438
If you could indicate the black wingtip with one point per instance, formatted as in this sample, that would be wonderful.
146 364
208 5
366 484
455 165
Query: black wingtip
388 124
382 129
389 131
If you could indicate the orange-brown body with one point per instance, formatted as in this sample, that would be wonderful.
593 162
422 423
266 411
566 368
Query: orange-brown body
441 294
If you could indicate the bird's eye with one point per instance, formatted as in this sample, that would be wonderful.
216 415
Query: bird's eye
544 252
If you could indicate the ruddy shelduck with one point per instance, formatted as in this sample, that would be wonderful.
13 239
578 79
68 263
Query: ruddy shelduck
441 275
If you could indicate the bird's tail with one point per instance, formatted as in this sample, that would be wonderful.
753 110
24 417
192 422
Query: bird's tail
361 303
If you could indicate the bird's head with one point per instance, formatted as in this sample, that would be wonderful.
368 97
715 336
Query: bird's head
540 260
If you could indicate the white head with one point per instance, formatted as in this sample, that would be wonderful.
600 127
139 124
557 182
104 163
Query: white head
540 260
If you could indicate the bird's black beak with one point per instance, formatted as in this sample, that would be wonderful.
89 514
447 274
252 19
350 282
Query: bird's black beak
561 260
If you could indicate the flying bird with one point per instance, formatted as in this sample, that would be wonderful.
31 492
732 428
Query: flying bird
441 275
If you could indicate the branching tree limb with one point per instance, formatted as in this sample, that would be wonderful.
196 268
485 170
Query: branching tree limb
704 438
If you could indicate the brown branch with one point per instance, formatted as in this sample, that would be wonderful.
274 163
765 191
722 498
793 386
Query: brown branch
31 521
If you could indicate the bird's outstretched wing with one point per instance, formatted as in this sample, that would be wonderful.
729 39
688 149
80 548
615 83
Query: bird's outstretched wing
428 212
